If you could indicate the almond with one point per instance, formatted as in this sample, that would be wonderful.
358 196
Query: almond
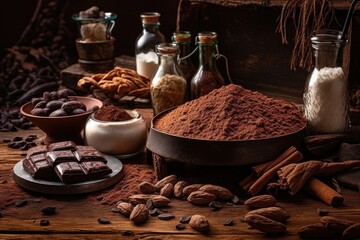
147 188
352 232
261 201
178 188
169 179
199 223
316 231
125 208
336 224
160 201
264 224
220 192
201 198
274 213
167 190
139 214
191 188
140 198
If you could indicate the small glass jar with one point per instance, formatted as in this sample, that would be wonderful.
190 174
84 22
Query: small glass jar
168 85
326 105
95 29
145 56
207 76
183 39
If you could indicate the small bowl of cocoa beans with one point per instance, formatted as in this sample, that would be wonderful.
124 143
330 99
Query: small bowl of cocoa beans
116 131
60 116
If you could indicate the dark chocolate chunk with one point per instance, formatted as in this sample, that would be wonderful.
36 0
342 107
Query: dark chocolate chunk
70 172
215 205
44 222
228 222
95 169
154 212
103 220
59 146
322 212
127 233
165 216
86 148
86 156
38 167
48 210
180 226
21 203
36 150
99 198
6 140
56 157
185 219
18 138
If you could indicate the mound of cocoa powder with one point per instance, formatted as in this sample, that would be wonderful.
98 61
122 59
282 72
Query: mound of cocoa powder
112 113
232 113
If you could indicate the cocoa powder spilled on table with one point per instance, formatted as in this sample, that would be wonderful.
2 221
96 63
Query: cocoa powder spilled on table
232 113
112 113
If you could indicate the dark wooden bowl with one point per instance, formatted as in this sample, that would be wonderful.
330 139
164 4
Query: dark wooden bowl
62 128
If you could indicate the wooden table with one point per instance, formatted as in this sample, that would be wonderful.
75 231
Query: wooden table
77 219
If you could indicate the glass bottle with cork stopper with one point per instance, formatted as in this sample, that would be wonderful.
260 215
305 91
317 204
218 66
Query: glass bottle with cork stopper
183 40
145 56
326 94
207 76
168 85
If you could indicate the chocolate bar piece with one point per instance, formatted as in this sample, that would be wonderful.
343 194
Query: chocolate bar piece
95 170
74 164
70 172
56 157
39 167
59 146
86 148
89 155
36 150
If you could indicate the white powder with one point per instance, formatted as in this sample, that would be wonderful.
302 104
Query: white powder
146 64
326 100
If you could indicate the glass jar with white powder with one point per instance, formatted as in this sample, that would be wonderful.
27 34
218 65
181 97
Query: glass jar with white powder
145 56
326 105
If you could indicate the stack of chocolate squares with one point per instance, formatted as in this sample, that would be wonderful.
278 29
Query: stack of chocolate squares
65 161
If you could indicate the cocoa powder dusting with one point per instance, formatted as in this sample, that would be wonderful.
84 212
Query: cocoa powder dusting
112 113
232 113
10 192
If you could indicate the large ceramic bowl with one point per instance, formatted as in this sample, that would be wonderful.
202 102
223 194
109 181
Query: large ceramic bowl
120 138
62 128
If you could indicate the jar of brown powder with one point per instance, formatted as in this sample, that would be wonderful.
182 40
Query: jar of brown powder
207 76
168 86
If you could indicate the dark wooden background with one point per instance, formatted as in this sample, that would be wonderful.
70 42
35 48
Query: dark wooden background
247 36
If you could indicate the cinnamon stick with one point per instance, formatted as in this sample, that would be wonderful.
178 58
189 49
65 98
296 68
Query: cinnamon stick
255 188
261 168
325 193
247 180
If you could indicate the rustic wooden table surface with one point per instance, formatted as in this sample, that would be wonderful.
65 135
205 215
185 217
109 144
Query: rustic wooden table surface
76 218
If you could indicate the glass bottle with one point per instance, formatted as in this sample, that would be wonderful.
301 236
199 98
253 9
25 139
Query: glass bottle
183 39
168 85
326 94
145 56
207 76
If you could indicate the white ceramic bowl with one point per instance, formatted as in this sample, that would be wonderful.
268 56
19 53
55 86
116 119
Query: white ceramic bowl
120 138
